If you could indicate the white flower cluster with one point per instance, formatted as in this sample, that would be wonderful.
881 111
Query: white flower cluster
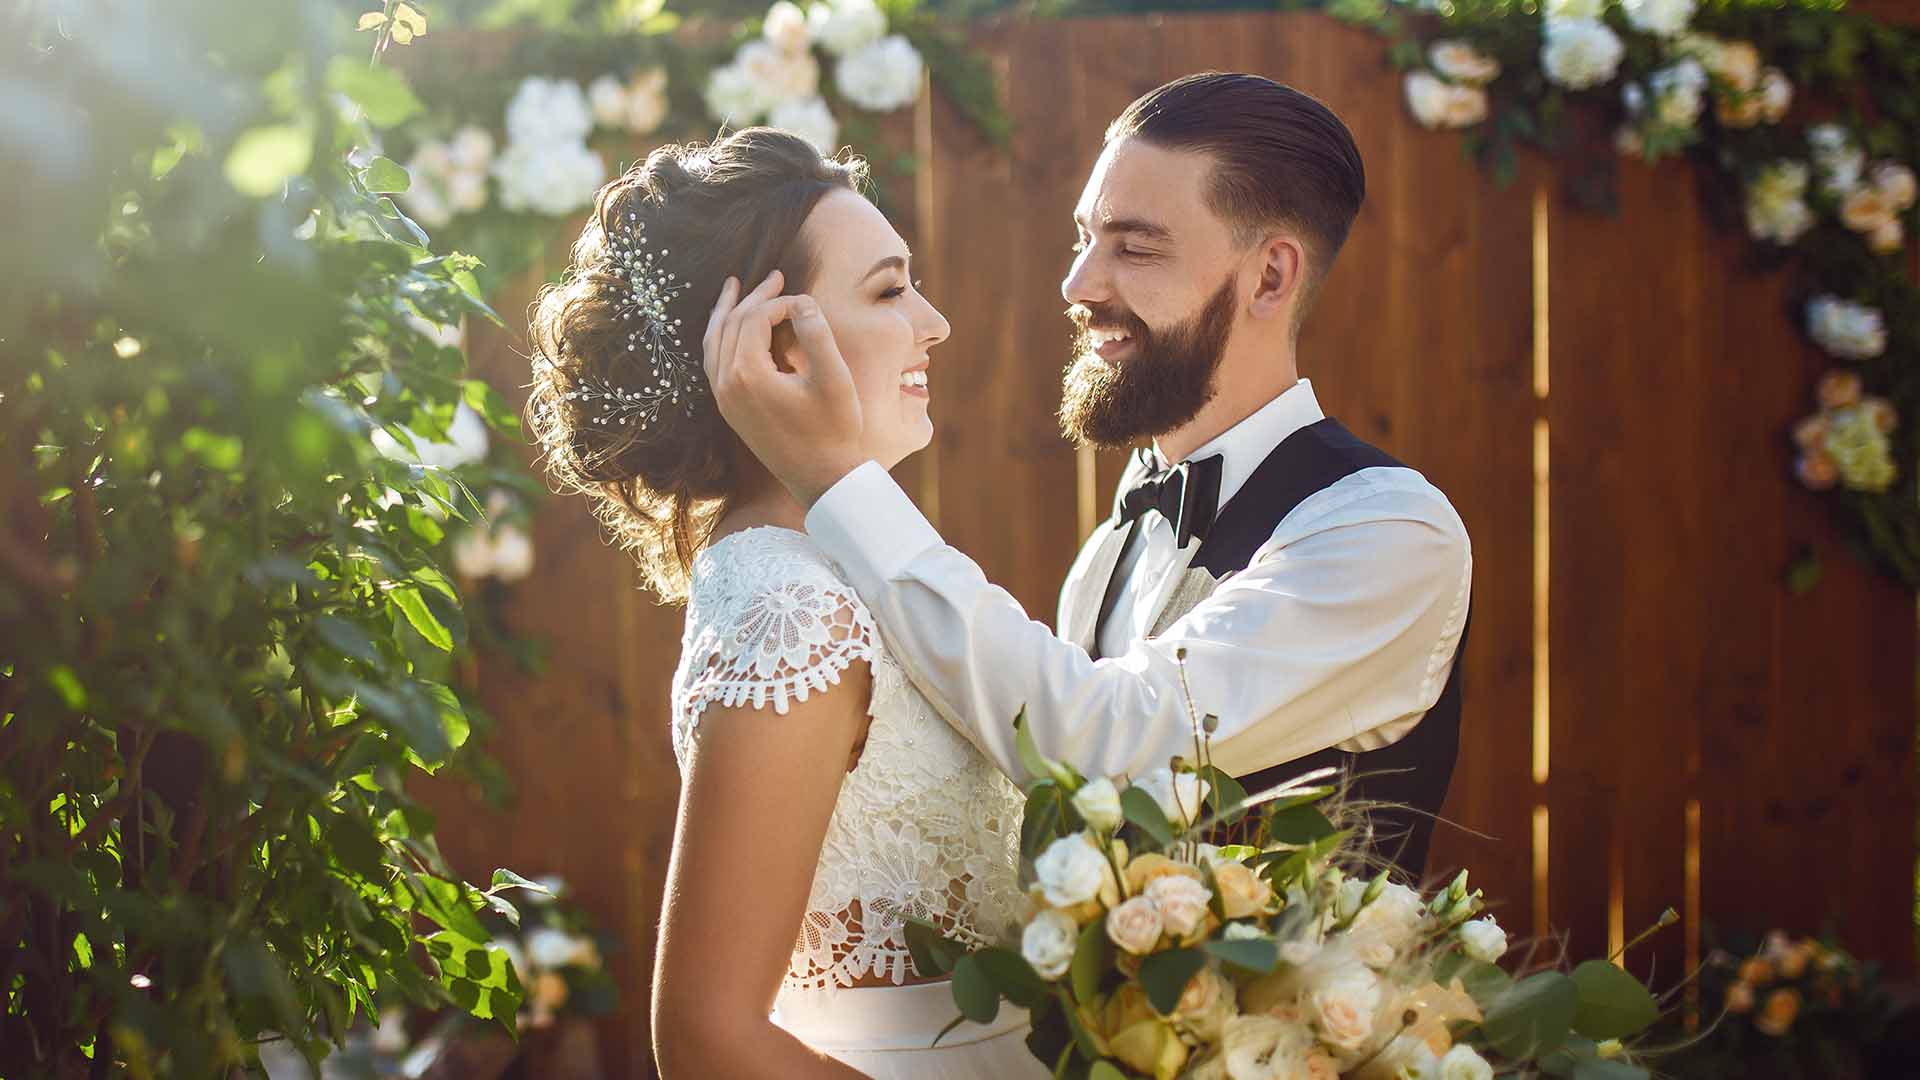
547 167
1580 51
448 176
775 79
637 106
1845 329
1849 440
1873 199
1777 207
491 549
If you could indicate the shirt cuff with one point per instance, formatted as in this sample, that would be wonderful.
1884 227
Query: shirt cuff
869 526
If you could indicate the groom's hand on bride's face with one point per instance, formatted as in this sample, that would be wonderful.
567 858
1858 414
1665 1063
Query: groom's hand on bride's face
803 422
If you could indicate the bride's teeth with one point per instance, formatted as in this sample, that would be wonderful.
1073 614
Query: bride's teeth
913 378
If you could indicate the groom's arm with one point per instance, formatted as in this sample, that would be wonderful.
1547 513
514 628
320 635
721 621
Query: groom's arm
1345 623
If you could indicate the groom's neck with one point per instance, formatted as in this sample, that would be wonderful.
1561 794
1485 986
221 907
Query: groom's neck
1248 378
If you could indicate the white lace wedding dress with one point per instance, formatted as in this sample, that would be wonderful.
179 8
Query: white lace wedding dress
924 826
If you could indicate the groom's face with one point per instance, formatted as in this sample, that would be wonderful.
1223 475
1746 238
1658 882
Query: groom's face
1154 293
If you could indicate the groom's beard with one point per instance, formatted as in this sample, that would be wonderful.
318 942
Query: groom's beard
1164 383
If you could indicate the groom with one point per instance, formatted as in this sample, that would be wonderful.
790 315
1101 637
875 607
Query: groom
1317 588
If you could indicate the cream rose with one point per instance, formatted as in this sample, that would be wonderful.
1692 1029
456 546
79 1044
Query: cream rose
1264 1048
1895 181
1890 236
1242 892
1440 105
1182 902
1866 209
1343 1007
1462 63
1205 1005
1048 943
1135 926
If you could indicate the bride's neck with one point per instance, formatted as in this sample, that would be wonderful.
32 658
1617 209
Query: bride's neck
761 504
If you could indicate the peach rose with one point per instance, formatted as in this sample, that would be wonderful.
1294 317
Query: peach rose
1778 1014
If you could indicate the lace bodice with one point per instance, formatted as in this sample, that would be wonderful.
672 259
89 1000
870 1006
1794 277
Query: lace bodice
924 825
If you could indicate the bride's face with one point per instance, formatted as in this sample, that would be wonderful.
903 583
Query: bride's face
862 279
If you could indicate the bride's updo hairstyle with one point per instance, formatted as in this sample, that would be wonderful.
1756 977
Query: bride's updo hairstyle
706 212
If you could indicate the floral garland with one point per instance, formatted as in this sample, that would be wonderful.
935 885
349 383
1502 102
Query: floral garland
1838 194
494 179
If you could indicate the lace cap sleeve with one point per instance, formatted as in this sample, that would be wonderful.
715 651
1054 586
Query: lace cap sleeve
779 625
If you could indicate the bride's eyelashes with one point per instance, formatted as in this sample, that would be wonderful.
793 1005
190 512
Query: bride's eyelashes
898 291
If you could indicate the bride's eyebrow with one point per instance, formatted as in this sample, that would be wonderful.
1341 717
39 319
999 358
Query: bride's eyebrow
891 262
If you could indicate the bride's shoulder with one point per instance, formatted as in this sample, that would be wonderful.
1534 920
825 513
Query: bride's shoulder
757 560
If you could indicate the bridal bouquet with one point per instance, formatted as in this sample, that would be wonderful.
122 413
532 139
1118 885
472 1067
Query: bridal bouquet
1151 953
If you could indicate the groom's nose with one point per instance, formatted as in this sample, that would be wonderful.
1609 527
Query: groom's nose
1085 284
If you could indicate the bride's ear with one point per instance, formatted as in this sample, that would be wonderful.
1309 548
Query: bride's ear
1282 265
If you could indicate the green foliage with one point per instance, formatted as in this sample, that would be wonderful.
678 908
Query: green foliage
225 627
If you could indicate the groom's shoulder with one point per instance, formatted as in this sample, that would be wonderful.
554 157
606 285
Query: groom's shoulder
1376 486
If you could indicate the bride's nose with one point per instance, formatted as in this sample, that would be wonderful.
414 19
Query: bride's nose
931 325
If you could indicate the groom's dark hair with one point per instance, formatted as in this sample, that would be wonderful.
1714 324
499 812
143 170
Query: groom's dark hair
1280 158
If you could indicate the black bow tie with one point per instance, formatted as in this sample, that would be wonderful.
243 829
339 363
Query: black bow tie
1187 495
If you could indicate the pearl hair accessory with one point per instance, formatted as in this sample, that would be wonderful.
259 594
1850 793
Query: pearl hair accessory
673 375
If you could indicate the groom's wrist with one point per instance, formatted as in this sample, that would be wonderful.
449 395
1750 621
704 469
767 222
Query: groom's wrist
868 525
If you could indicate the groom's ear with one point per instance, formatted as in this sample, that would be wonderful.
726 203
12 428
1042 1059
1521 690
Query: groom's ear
1281 260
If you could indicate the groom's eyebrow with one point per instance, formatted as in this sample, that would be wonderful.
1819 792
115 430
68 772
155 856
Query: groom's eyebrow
1141 227
891 262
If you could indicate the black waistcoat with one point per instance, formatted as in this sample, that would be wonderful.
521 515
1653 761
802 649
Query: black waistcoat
1412 773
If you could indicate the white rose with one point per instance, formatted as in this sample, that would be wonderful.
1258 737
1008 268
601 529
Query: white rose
809 119
1896 182
1242 931
882 77
512 553
1580 53
1845 329
471 148
1776 95
733 97
546 111
1135 926
1437 104
1465 1063
1179 796
1574 9
1406 1057
647 103
844 26
1343 1007
608 98
1299 953
1182 902
1461 62
1663 17
779 76
786 27
1098 801
1048 943
1071 870
1483 940
554 179
1395 914
1264 1048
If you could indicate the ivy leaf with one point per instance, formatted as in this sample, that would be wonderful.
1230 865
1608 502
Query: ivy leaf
385 175
380 91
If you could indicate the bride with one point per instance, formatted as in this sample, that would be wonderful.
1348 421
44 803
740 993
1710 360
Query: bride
821 798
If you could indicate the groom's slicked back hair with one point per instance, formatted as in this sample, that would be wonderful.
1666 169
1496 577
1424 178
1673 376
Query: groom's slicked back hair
1280 158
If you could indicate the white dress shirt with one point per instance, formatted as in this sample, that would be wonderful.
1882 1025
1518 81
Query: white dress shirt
1340 632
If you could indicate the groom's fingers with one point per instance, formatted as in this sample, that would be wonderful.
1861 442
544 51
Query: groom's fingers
730 336
710 341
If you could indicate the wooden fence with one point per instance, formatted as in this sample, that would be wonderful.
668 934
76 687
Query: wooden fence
1652 719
